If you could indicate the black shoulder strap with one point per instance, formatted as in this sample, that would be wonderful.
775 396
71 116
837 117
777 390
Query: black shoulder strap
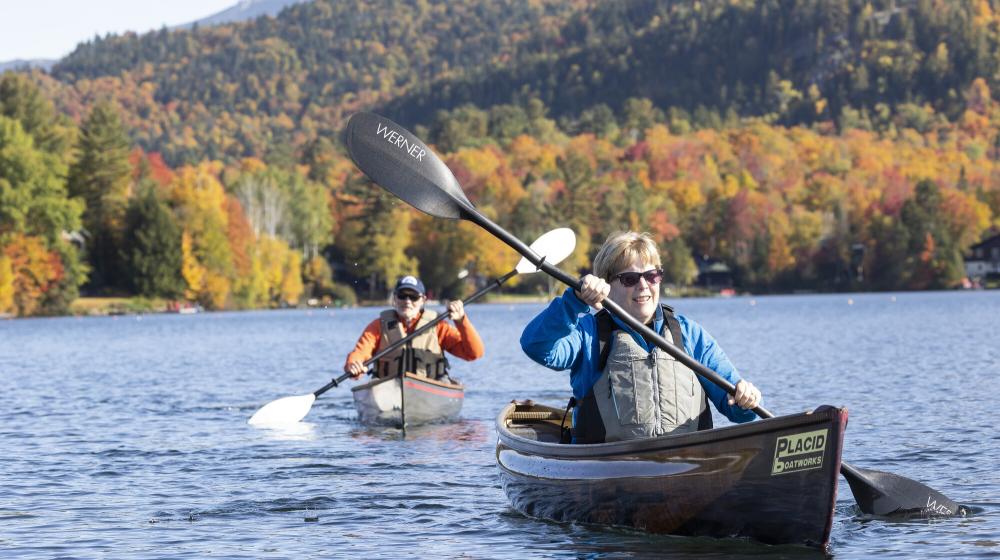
605 326
566 430
674 325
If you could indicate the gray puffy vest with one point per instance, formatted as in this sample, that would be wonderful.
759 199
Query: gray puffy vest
640 394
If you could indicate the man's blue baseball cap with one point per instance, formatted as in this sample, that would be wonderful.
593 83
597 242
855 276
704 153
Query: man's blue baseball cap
411 283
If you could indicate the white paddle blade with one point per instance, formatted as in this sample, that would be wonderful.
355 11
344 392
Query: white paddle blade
555 246
284 411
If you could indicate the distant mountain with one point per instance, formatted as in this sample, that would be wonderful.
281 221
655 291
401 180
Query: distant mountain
276 84
20 64
242 11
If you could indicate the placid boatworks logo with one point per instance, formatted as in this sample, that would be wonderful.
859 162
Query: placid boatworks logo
799 452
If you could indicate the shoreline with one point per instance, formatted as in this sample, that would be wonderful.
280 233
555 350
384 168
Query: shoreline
114 306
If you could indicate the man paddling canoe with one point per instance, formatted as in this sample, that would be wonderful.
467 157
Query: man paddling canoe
623 386
424 355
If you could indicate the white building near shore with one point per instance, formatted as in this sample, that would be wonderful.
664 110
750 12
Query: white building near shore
984 259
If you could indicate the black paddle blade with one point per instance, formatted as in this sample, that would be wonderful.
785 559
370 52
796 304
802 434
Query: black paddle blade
403 165
400 163
886 494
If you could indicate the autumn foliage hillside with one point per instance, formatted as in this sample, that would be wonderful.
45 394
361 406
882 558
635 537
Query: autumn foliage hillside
806 144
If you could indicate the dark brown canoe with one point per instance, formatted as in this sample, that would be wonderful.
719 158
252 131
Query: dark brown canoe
773 480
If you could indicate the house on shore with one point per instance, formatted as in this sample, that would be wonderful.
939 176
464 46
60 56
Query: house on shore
983 261
713 274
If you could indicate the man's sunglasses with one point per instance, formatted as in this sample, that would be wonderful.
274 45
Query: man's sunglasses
409 296
629 279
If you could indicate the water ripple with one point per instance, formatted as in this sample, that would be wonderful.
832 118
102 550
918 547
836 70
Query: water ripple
146 452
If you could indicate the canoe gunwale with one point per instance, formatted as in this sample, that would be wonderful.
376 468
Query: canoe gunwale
820 415
409 377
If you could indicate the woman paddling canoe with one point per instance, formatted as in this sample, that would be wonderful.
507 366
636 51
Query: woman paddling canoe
623 386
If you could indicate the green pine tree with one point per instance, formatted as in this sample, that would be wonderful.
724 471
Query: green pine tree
33 198
102 178
375 242
151 252
21 100
934 259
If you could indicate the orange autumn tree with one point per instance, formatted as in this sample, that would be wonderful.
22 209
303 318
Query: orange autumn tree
249 286
34 270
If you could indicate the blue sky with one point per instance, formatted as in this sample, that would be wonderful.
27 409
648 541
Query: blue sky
32 29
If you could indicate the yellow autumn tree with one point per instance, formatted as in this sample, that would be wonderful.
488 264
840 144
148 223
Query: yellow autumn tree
280 271
256 284
191 269
273 253
493 257
215 294
291 281
524 152
6 284
200 201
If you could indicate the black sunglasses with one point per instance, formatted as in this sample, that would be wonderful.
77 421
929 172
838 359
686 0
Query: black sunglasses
409 296
629 279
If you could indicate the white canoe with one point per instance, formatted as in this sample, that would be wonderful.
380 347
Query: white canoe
379 402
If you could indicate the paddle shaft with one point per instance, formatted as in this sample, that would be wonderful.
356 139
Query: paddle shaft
496 283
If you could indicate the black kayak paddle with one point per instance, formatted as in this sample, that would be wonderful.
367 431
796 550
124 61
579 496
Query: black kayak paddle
402 164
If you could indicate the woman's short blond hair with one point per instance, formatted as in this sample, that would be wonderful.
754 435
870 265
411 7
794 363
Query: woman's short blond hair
620 249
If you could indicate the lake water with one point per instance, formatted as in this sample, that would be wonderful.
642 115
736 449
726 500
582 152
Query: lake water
126 437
